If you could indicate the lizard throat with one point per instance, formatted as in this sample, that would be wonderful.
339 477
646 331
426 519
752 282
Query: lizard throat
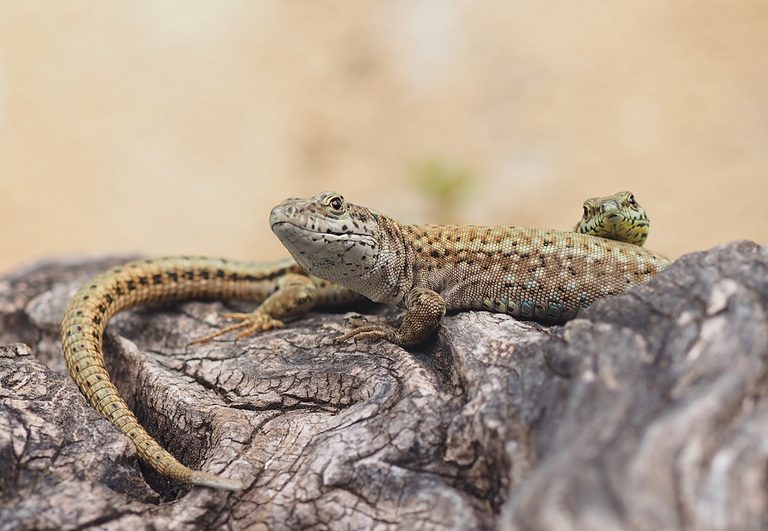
338 257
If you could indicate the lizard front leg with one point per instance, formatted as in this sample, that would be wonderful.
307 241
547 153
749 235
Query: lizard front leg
424 310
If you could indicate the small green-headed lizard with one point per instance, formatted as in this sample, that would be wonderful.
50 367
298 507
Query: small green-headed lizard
616 217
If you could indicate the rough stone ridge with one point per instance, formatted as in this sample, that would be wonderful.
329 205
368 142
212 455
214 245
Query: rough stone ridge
647 412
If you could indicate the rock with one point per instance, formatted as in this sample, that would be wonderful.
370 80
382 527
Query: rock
647 412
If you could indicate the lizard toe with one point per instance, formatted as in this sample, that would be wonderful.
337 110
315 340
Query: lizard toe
373 332
250 324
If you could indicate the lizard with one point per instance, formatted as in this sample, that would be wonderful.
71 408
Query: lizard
428 270
285 290
615 217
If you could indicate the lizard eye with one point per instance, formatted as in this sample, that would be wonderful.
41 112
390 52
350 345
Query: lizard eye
336 203
632 200
586 211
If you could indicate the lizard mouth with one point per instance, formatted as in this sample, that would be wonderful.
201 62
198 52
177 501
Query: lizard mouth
274 224
278 225
286 216
351 235
291 233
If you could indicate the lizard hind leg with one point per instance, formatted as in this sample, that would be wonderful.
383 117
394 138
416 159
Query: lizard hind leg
295 295
252 323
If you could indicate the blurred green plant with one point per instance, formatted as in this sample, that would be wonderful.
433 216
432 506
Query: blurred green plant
445 185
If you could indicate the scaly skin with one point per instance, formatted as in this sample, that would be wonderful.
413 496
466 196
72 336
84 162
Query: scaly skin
546 275
283 289
616 217
409 263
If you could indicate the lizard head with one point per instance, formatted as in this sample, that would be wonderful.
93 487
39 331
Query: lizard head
328 237
616 217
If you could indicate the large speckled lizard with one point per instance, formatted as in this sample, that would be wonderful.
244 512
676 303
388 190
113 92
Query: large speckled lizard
428 270
546 275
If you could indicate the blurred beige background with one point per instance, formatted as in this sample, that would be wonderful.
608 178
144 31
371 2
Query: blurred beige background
173 127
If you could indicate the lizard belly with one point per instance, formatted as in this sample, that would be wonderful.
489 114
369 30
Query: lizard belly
535 299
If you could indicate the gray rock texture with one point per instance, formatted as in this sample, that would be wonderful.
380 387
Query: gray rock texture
648 412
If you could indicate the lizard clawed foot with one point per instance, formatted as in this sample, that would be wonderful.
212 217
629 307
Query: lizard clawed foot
250 323
373 332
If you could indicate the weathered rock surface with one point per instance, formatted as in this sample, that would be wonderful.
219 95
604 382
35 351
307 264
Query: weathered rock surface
650 412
